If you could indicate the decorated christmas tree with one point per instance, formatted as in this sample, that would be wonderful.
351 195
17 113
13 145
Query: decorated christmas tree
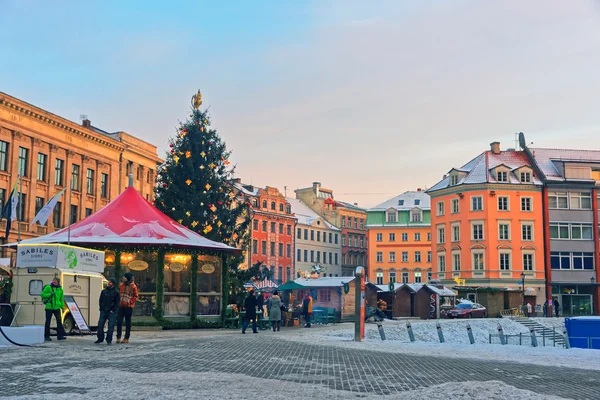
194 188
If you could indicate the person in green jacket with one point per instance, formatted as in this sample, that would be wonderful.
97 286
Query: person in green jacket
54 298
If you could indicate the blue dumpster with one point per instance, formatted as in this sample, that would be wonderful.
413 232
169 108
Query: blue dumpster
584 332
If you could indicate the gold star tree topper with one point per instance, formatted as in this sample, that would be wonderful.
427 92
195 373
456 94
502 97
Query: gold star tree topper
197 100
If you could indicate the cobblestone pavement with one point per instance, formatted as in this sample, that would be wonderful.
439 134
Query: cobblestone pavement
26 371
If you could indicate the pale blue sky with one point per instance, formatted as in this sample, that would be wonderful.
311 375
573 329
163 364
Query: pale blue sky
365 98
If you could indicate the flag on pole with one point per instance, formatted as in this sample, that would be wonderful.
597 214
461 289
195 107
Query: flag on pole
43 215
10 209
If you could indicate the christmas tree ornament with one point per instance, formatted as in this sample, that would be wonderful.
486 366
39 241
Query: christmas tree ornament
213 209
201 129
203 154
188 213
204 192
184 132
207 186
194 223
219 224
202 167
172 151
176 159
234 236
211 165
201 204
189 182
171 145
173 209
227 162
231 195
164 185
220 202
180 221
188 154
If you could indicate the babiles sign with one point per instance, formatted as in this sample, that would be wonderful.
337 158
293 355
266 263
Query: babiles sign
60 256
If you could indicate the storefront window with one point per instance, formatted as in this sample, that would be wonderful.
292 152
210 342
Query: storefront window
209 305
209 285
177 273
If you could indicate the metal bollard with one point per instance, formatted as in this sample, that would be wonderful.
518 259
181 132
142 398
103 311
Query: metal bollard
411 334
501 334
381 332
534 342
470 333
440 333
567 344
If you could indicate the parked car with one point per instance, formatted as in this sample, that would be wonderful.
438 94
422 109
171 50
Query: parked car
468 310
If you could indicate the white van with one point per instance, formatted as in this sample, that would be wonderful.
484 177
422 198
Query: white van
37 265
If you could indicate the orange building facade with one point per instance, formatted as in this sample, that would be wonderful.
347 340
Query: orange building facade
52 153
272 231
399 234
487 224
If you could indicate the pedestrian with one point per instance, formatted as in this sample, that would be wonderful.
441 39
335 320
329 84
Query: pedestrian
275 311
53 297
260 301
109 307
307 309
556 307
529 309
129 295
250 306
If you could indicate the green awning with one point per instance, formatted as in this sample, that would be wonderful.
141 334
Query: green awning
290 285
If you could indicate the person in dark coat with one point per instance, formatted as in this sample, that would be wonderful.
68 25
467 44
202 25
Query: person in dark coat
250 306
260 301
556 307
109 306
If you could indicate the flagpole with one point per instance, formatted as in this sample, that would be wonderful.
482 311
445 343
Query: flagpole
69 227
19 214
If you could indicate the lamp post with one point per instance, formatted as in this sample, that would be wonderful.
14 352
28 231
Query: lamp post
523 283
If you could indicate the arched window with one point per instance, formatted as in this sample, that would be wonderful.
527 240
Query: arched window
281 207
272 205
254 203
264 205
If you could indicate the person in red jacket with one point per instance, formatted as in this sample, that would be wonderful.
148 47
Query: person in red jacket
129 295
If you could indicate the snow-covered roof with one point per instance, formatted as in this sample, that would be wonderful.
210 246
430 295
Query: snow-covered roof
246 189
480 169
129 219
305 215
415 287
386 288
406 201
325 282
546 158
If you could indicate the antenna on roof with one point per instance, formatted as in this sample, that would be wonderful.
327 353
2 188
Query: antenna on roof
517 142
285 191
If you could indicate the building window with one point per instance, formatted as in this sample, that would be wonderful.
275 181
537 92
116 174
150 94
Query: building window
525 203
392 237
400 202
442 262
272 248
379 256
477 203
504 231
39 204
392 256
75 178
281 229
104 185
89 186
456 233
429 275
319 236
525 177
362 224
344 239
281 207
503 203
379 276
405 256
478 261
255 225
477 231
502 176
74 211
415 216
575 231
288 250
343 222
405 237
289 230
2 197
298 255
429 256
88 212
305 255
288 210
280 249
23 161
392 277
583 261
306 234
264 226
417 202
41 167
312 235
455 206
558 200
504 261
441 234
288 274
392 216
581 232
453 180
330 258
581 200
355 223
378 238
299 233
429 236
264 204
417 256
272 227
336 259
273 205
527 262
417 237
57 215
254 246
405 277
440 208
455 261
355 241
527 232
559 231
263 245
3 155
318 257
418 277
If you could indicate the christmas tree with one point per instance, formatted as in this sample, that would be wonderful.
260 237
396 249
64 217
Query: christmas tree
194 188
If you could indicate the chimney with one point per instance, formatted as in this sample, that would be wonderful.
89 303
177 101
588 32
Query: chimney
316 186
86 123
238 180
418 189
495 147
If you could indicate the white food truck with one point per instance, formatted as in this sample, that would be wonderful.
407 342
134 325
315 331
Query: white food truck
80 272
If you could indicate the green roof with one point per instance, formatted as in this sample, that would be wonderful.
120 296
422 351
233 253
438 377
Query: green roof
290 285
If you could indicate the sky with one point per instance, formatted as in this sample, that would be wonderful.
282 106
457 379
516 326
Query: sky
369 98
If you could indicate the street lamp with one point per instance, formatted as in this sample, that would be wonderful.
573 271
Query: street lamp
523 283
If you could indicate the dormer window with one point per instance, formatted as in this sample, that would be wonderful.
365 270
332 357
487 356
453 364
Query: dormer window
254 203
453 180
417 202
502 176
392 216
400 202
525 177
416 216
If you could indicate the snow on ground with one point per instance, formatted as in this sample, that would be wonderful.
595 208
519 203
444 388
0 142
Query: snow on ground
216 385
456 345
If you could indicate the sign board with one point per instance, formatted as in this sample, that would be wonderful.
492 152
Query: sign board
76 313
59 256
